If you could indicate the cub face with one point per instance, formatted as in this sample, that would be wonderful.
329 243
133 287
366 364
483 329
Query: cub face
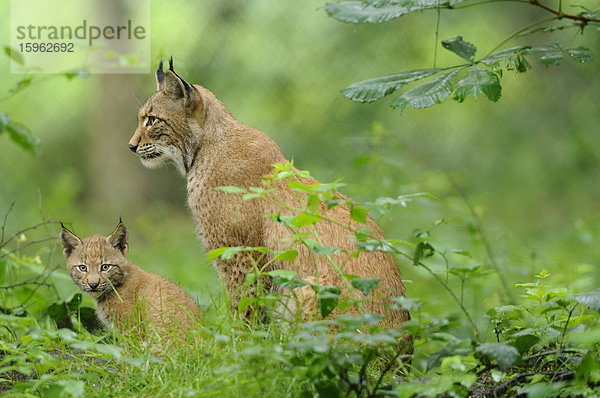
167 129
96 264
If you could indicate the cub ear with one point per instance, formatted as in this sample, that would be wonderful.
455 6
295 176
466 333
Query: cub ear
177 88
160 77
69 241
118 239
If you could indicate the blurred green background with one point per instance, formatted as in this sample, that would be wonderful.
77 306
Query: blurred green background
527 164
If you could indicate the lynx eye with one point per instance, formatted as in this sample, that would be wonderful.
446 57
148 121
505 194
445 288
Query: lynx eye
105 267
150 120
82 268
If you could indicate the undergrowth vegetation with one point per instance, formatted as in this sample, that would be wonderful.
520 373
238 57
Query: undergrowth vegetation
541 341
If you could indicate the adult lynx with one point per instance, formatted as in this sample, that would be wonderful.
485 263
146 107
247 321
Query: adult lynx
127 297
188 125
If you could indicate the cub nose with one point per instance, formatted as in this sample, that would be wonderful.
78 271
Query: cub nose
93 285
133 148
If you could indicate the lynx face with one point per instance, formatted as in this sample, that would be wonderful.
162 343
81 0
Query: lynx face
96 264
166 128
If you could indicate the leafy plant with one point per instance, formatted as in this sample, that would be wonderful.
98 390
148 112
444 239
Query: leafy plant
475 75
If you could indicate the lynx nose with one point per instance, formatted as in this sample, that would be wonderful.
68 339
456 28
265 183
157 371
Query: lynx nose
93 285
133 148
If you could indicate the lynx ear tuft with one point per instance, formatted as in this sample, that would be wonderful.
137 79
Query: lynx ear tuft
119 238
68 240
160 77
171 64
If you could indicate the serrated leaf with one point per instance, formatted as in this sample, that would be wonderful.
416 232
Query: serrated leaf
504 355
226 253
427 94
359 12
324 250
381 10
524 342
552 58
459 47
498 56
231 189
286 279
305 219
422 250
590 299
358 214
328 297
377 88
372 245
287 255
580 54
365 285
21 136
477 81
312 203
15 55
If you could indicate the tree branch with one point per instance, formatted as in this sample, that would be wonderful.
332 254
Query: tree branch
581 18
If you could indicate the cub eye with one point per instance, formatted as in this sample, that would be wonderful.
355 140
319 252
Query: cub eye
150 120
82 268
105 267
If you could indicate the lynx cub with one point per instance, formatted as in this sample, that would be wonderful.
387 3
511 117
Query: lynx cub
127 297
186 124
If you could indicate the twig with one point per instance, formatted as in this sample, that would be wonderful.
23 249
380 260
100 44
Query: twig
559 375
22 231
4 222
33 242
583 19
552 352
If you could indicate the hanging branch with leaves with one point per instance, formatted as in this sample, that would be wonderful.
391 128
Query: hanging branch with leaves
476 76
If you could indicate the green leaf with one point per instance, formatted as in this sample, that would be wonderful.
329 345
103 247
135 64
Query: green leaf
305 219
21 136
312 203
477 81
504 355
287 255
377 88
286 279
459 47
358 214
227 253
404 303
588 365
422 250
590 299
378 11
553 54
323 250
328 297
231 189
372 245
359 12
365 285
503 54
427 94
14 55
580 54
